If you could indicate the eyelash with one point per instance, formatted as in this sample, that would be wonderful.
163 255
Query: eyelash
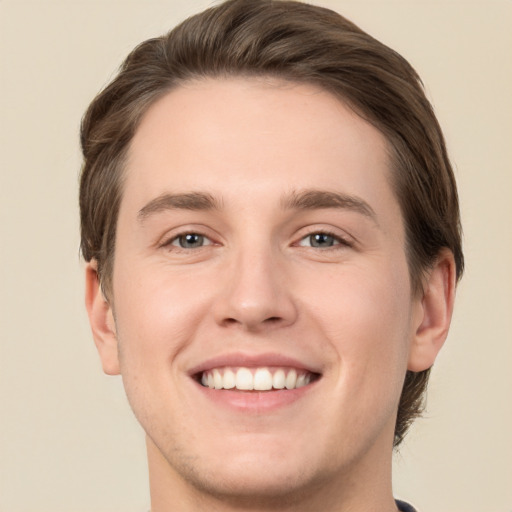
171 242
338 241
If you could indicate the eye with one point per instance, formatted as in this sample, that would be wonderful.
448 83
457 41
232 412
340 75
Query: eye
190 241
322 240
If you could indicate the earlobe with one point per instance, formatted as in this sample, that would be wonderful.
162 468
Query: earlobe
101 320
434 313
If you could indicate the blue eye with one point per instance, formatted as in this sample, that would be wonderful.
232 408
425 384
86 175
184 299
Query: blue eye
190 241
321 241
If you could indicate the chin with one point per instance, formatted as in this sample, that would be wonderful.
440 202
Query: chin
259 471
254 482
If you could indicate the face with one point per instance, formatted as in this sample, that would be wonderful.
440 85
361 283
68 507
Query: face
261 294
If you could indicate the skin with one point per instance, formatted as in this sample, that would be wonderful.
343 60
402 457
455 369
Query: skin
258 286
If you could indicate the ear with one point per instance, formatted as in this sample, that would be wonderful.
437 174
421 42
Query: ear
434 313
101 319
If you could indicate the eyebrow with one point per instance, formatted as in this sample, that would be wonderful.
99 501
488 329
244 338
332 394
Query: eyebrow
309 199
189 201
312 199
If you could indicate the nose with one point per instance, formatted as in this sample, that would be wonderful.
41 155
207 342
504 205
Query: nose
256 293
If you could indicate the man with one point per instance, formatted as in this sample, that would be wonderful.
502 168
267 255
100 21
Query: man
272 233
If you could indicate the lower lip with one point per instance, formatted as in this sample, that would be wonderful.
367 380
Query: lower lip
255 401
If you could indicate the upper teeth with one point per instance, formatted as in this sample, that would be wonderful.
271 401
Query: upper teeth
257 379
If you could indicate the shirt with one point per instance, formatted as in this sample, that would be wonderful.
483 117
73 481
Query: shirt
404 507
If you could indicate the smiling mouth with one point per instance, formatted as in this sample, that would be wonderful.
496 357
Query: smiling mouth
255 379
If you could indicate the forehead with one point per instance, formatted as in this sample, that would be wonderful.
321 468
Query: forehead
238 136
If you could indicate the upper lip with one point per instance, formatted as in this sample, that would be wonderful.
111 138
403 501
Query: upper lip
252 361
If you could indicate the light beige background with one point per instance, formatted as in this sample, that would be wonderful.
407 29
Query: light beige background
68 441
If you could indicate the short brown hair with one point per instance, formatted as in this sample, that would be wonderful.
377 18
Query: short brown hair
299 43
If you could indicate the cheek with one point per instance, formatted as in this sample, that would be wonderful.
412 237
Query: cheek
366 318
370 333
156 318
157 314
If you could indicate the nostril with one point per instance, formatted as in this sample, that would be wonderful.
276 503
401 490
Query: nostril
271 319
